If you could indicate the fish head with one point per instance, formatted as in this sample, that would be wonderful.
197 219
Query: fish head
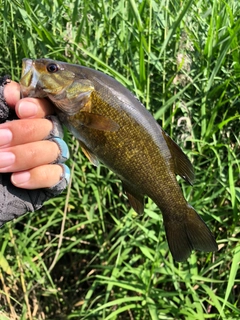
43 77
57 81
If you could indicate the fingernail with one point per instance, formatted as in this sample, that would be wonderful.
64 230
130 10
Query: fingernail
6 159
27 109
5 137
64 151
66 172
20 178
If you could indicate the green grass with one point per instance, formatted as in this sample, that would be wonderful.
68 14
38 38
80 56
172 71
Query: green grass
86 254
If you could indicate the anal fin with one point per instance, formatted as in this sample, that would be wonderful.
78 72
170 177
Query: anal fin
135 199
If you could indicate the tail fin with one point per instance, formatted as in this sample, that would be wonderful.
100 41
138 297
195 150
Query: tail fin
188 234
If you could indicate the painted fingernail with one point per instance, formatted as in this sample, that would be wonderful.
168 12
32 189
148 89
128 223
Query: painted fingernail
66 172
6 159
5 137
20 178
64 152
27 109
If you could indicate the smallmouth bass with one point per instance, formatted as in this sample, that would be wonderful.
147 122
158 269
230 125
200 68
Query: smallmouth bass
114 127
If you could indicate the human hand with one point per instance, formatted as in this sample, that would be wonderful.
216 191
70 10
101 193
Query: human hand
23 149
31 157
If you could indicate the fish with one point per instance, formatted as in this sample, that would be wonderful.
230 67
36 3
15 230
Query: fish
113 127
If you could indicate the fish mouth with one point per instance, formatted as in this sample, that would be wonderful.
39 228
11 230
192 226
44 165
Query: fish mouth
26 65
29 79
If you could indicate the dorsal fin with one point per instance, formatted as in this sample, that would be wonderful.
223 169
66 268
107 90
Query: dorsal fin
182 165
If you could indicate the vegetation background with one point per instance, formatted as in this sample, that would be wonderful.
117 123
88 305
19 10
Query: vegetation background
86 254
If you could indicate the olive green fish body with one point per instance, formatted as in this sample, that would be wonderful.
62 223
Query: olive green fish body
114 127
146 167
131 152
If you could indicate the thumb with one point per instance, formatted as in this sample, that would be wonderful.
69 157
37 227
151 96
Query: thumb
12 93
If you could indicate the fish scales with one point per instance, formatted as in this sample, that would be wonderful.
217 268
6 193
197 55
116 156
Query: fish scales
129 154
114 127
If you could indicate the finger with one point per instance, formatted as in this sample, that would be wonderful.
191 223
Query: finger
19 132
28 156
12 93
27 107
45 176
33 108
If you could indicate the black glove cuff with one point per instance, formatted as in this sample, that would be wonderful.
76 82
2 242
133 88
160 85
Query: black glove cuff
4 109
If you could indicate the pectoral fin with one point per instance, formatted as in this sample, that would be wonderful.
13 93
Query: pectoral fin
182 165
98 122
91 157
136 200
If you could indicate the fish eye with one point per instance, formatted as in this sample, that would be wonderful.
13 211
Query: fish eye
52 67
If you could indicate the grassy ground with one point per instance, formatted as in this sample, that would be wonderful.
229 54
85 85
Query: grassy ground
86 254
